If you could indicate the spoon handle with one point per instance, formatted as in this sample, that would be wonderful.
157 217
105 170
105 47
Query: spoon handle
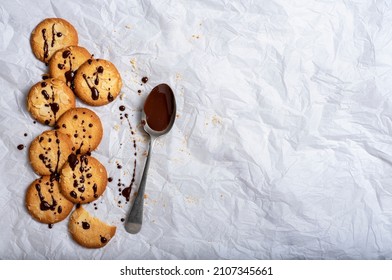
133 224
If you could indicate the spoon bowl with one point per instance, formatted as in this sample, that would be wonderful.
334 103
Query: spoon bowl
158 116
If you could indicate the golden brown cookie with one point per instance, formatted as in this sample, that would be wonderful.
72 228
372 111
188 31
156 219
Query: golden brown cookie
50 35
45 203
48 100
88 231
97 82
84 127
83 179
49 151
66 61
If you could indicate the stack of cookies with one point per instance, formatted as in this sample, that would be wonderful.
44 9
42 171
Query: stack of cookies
62 155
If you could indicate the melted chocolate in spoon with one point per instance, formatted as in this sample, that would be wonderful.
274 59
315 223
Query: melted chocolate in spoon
159 107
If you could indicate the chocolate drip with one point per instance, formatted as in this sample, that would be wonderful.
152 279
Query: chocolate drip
55 175
110 97
66 53
53 36
20 147
78 151
45 94
69 77
73 194
54 107
94 91
95 189
79 183
126 192
45 206
85 225
73 161
46 46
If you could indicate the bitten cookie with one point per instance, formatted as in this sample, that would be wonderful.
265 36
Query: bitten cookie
45 203
83 179
48 100
88 231
97 82
49 151
84 127
66 61
50 35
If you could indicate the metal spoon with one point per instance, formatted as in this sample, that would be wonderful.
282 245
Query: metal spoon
133 223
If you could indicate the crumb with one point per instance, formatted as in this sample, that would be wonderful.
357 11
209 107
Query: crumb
196 36
177 116
145 196
178 76
122 96
128 26
116 127
216 120
134 64
191 199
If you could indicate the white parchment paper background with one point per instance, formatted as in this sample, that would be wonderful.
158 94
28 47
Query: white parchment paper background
282 144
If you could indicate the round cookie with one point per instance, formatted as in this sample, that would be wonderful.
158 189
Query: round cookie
83 179
49 151
97 82
50 35
45 203
84 127
48 100
88 231
66 61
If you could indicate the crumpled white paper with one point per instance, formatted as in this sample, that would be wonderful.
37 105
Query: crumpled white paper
282 144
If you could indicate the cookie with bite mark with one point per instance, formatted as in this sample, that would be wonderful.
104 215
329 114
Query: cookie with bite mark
84 127
45 203
97 82
50 35
88 231
83 179
65 62
48 100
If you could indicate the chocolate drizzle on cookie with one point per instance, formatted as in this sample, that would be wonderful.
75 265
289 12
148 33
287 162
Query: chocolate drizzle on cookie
54 173
93 89
45 205
53 40
85 225
54 106
103 239
81 183
70 74
46 46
